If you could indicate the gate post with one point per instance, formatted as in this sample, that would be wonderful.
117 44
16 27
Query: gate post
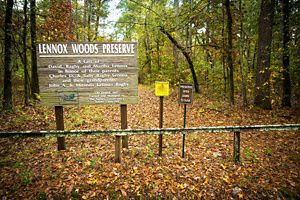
118 148
236 146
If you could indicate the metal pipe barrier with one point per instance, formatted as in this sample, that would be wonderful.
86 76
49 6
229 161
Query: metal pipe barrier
119 133
210 129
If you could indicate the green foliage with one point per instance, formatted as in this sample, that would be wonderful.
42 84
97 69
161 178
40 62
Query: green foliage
268 152
53 175
26 176
80 158
42 195
250 155
286 194
150 153
198 26
113 194
141 21
17 165
93 163
75 194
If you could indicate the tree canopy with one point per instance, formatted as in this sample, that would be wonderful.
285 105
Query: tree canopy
216 45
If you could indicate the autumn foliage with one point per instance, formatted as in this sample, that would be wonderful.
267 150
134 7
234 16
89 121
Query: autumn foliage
57 26
32 168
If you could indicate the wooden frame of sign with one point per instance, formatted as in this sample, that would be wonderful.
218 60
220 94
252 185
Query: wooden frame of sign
88 73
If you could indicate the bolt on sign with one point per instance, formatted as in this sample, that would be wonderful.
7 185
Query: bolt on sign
88 73
161 88
185 93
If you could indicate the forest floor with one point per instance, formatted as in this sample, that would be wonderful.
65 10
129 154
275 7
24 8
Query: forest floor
32 168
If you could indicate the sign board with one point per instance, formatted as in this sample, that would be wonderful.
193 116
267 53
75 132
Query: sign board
87 73
185 93
161 88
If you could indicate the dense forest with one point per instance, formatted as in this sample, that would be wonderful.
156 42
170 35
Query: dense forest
239 49
237 61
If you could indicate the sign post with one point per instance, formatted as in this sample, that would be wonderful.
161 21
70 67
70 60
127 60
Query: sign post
184 125
74 73
161 118
185 97
59 117
123 108
161 90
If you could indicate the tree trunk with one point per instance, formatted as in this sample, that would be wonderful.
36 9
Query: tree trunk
297 74
89 20
230 51
147 48
26 81
242 40
71 20
76 20
286 98
97 19
189 39
262 84
158 50
187 57
254 56
207 42
175 49
223 54
85 6
297 60
34 75
248 53
7 98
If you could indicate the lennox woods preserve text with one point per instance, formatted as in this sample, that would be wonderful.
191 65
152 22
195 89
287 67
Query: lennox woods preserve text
87 73
86 48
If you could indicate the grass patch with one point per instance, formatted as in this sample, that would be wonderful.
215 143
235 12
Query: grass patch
250 155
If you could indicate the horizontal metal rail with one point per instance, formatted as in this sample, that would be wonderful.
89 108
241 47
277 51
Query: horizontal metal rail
211 129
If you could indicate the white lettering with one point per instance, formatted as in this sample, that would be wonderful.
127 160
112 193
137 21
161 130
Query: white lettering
53 49
85 48
118 48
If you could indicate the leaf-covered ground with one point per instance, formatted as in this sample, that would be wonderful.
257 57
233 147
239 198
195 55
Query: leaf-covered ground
34 169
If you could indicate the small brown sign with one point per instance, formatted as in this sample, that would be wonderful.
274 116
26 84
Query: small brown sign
185 93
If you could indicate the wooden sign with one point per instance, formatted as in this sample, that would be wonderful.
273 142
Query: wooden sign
161 88
87 73
185 93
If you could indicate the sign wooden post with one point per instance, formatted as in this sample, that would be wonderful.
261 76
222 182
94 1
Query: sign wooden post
124 124
185 97
161 90
59 116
